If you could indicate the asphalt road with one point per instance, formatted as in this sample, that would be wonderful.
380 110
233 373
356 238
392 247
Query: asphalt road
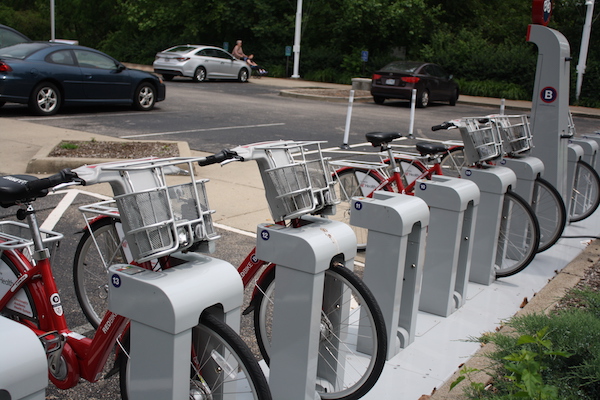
215 115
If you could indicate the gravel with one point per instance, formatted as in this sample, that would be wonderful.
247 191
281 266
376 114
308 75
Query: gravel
124 150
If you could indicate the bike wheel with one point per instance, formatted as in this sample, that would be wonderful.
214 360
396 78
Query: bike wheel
453 161
353 182
585 195
26 313
222 365
550 212
519 236
343 289
90 267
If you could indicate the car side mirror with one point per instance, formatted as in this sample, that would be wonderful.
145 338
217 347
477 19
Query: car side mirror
121 68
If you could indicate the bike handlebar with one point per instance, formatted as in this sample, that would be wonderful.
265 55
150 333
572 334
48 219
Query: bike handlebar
443 125
219 157
64 176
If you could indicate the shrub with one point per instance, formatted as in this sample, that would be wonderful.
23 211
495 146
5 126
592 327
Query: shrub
550 356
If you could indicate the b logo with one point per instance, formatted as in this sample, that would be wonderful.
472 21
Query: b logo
548 94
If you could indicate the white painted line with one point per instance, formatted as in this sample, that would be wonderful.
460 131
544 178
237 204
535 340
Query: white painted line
93 116
235 230
224 128
60 209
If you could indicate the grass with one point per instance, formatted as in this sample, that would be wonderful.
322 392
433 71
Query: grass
555 356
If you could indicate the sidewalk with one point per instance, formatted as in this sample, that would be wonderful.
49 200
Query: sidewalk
440 346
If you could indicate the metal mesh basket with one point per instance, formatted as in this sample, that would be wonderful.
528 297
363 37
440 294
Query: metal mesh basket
302 186
160 220
516 133
481 138
17 235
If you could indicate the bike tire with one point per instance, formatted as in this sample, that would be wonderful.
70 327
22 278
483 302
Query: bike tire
453 161
90 272
550 211
210 336
519 236
585 196
349 186
367 367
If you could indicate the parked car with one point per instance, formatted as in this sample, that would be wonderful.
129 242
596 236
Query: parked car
10 36
200 63
47 76
398 79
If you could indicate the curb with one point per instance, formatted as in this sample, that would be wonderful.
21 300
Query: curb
41 163
335 99
542 302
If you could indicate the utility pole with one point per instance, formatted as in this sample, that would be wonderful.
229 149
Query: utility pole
585 42
297 40
52 25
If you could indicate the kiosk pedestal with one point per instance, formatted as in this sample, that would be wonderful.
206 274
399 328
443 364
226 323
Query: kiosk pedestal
394 257
527 169
302 255
24 368
493 182
550 105
590 146
164 307
453 208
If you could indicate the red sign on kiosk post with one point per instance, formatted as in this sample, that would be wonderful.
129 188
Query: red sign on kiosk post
541 12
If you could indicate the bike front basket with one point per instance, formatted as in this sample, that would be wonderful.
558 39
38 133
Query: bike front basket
303 186
165 219
481 138
516 133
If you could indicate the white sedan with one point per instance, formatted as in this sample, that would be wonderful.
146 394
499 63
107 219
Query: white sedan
200 63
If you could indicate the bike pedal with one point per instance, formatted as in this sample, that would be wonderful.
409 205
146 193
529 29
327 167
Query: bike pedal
54 344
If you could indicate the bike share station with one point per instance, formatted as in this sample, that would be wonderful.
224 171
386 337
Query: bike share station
429 263
458 282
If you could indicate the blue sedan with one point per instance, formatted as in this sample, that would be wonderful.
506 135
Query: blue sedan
47 76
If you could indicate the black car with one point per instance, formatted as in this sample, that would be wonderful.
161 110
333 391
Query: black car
10 36
398 79
47 76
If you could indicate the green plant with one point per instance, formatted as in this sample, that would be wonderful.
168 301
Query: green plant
68 146
526 367
465 373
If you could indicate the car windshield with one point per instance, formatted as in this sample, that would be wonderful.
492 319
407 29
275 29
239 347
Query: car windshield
8 38
180 49
22 50
405 67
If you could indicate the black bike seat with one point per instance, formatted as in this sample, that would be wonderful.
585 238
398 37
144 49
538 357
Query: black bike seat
13 188
427 148
379 138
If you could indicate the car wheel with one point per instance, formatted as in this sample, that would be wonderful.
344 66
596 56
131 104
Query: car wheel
454 98
243 75
168 77
378 99
144 97
199 74
45 99
423 99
